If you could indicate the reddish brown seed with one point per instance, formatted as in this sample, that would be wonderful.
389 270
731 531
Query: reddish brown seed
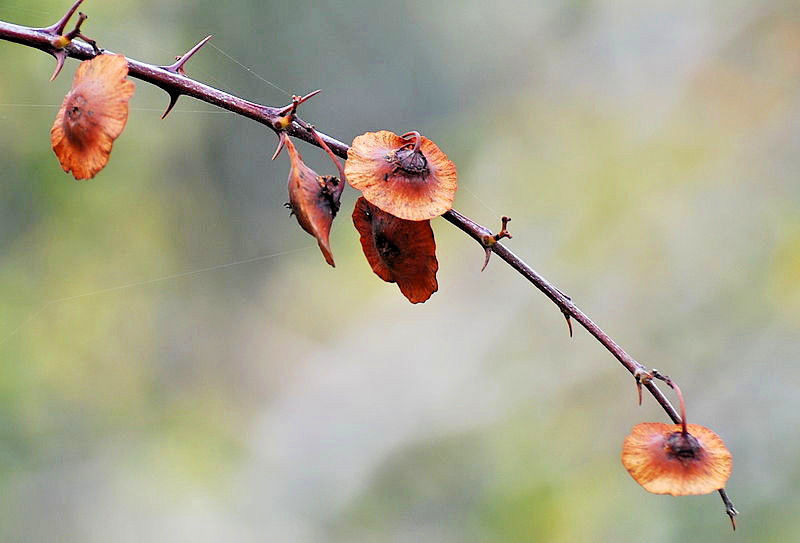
665 461
409 177
313 199
399 251
92 116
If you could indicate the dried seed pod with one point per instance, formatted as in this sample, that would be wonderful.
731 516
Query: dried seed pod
665 459
399 251
314 199
407 176
92 116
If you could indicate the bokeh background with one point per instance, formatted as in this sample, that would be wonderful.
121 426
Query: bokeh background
154 387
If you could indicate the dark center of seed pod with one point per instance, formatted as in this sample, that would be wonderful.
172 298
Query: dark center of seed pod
74 109
328 193
683 447
388 250
409 161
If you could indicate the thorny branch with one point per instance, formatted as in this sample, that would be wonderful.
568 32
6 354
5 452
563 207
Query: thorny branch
175 83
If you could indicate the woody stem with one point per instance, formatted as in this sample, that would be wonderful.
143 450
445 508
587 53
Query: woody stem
76 32
271 117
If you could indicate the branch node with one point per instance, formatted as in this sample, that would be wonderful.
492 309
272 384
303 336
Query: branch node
60 41
177 67
490 240
642 377
287 114
76 33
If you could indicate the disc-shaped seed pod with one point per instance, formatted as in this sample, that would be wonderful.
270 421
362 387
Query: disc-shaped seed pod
407 176
92 116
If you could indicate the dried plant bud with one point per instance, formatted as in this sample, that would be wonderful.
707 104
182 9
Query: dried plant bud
407 176
92 116
666 460
314 199
399 251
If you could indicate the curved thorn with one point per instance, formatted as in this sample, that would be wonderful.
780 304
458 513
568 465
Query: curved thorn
177 67
642 377
281 143
488 256
569 324
638 378
173 99
60 57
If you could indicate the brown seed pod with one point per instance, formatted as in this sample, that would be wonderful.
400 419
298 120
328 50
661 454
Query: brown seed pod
399 251
92 116
314 199
666 460
407 176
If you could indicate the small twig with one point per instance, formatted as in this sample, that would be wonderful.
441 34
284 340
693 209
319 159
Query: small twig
730 510
337 193
674 386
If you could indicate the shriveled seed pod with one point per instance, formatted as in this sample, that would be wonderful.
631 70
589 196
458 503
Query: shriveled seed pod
399 251
314 199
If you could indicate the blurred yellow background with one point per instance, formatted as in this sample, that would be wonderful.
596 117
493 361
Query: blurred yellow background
648 154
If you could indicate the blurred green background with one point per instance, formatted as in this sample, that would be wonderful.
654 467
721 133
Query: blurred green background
649 156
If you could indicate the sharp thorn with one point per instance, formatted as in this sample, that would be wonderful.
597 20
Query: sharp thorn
281 143
177 67
173 99
642 376
488 256
308 96
58 28
60 57
296 101
569 322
